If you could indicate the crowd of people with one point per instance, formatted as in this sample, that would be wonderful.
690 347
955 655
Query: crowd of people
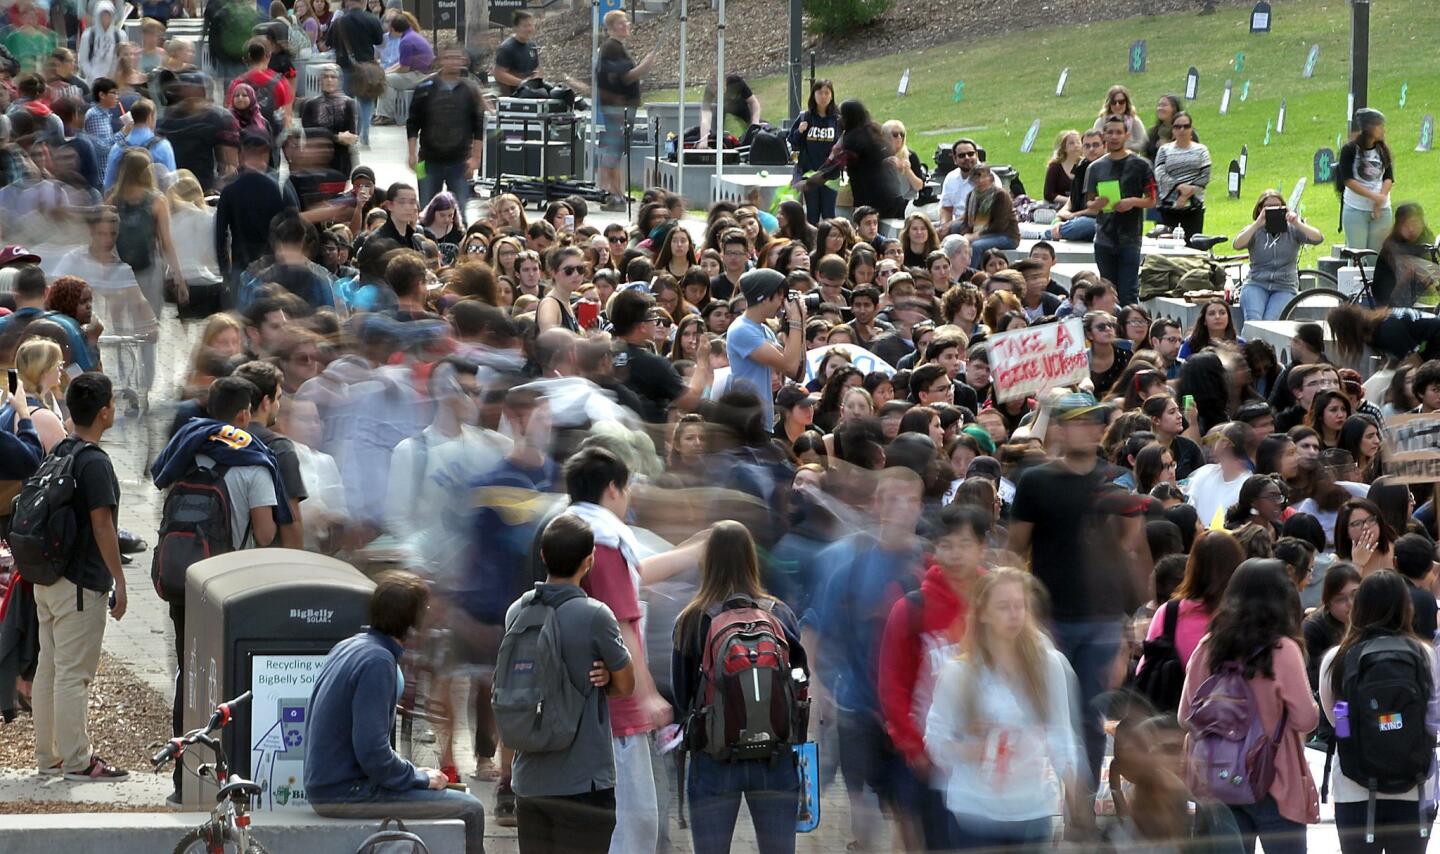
766 450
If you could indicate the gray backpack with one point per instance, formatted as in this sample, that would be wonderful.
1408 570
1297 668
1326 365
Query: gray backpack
397 841
537 707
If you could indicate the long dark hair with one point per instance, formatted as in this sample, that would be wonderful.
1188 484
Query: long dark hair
1200 333
1203 377
1259 609
1269 452
1382 607
1350 436
855 119
816 86
1344 545
1315 418
1240 512
1368 121
1149 465
1393 498
1353 327
728 568
1213 559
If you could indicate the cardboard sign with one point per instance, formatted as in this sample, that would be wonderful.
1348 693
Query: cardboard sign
1064 78
1235 177
1280 122
1138 54
1225 99
1192 83
1310 60
1324 166
1260 18
1427 133
1028 144
1028 361
904 88
1412 447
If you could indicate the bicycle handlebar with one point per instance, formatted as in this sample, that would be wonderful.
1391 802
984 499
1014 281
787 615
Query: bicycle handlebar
219 720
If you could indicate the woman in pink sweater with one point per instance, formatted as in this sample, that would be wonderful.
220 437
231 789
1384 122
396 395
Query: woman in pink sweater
1261 611
1212 561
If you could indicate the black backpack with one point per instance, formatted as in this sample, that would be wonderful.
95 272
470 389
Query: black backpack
1161 679
1389 748
43 530
769 148
194 525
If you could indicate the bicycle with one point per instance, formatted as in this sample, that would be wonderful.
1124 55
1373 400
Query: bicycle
228 829
1315 303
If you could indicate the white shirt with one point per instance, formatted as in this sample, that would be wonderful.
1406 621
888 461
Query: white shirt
193 231
1211 493
955 191
325 492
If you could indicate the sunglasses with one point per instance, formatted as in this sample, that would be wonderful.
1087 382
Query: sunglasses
476 249
1182 127
571 270
1101 327
660 321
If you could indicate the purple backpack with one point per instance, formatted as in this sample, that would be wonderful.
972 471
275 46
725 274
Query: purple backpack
1231 757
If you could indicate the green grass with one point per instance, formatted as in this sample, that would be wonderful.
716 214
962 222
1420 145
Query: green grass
1010 81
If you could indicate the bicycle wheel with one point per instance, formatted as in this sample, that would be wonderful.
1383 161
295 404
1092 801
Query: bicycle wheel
1322 278
1314 304
197 841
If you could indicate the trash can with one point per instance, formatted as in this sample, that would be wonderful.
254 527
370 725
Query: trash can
263 620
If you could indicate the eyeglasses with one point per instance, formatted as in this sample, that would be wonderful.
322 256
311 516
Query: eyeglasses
1103 327
1138 321
1169 465
1273 496
1181 127
1172 339
571 271
967 154
618 239
1357 524
943 389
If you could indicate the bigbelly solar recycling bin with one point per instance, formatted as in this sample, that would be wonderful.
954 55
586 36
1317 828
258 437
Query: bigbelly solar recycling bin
263 620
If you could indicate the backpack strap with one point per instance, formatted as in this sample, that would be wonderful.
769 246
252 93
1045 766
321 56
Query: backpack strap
915 603
1172 619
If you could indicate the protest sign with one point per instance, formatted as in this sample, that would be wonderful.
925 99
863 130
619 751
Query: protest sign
1028 361
1412 447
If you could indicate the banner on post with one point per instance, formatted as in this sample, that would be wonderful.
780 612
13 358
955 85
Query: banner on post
1412 447
1028 361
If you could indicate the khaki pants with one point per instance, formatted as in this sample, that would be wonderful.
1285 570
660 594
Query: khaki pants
399 87
69 656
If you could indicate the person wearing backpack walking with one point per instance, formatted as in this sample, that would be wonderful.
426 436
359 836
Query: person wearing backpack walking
563 652
141 135
736 674
273 95
71 609
1380 692
1248 674
1001 722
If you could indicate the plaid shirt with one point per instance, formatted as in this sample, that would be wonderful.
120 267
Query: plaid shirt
100 127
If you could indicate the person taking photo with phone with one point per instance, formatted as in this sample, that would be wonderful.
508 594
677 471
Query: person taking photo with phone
1274 239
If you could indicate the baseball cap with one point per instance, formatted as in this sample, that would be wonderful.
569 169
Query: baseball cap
17 255
759 285
981 437
986 467
1077 404
362 172
792 395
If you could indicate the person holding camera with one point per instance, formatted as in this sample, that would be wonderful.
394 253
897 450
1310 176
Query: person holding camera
1274 240
753 349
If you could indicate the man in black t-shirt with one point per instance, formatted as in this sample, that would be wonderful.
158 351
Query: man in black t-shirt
517 59
734 261
741 108
653 378
1119 222
264 412
204 136
71 612
619 79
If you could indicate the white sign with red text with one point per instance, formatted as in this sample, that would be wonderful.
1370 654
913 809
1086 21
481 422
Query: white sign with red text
1028 361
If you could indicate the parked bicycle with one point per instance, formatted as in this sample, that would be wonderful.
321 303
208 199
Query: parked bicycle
1314 303
228 829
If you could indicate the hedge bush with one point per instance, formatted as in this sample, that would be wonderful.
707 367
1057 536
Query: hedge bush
835 17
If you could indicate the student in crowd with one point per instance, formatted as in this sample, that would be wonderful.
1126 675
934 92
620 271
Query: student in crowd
1366 175
1060 171
1120 221
1119 104
1213 559
1182 170
867 159
957 186
1274 251
812 136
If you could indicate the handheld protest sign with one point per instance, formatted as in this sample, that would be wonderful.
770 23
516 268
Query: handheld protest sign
1410 443
1260 18
1192 83
1026 362
1225 99
1427 133
1028 144
1064 78
1233 178
1139 51
904 88
1324 166
1280 122
1310 60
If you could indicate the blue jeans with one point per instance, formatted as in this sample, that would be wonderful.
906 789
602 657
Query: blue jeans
819 204
771 789
1279 834
1362 231
1121 266
1258 302
445 174
1080 228
366 801
977 833
1090 646
366 108
978 245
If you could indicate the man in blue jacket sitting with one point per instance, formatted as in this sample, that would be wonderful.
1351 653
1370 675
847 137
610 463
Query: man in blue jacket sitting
350 769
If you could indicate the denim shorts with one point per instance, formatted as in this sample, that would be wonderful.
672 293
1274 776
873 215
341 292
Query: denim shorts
612 136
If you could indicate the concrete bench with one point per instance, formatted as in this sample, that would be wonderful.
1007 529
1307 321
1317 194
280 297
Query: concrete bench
137 833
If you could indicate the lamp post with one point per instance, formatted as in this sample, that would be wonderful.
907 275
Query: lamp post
1359 57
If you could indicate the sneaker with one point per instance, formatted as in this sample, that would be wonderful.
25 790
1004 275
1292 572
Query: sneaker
98 772
505 808
614 204
53 771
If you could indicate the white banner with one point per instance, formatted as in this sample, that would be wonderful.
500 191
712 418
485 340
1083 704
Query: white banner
1031 360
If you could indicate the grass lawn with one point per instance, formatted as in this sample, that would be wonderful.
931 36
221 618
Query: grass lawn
1010 82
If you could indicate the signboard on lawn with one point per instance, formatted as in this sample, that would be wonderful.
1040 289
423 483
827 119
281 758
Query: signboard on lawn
1028 361
1412 447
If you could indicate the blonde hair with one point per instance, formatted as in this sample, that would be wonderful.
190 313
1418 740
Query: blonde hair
1032 646
35 358
185 191
133 170
1064 136
216 325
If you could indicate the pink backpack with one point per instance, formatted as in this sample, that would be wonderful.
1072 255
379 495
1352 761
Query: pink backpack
1231 757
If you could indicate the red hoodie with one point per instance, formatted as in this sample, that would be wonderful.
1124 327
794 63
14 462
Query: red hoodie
911 652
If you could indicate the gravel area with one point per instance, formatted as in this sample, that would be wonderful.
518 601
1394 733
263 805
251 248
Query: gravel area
757 33
126 717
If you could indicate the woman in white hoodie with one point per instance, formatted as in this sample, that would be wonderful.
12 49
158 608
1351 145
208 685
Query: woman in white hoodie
1001 721
99 47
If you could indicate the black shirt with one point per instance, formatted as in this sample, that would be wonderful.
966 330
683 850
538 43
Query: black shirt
1136 179
242 219
410 240
1069 551
1188 456
615 63
286 459
654 380
517 57
95 487
196 137
354 36
1407 331
722 288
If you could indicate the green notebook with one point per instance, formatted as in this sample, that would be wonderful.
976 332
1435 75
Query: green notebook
1108 190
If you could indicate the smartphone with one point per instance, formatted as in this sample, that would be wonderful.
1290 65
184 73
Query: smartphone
1275 224
14 381
569 222
1188 402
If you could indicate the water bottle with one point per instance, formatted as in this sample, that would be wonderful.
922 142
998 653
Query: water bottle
1179 234
1342 719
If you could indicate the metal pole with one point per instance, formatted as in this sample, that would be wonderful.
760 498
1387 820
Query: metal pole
680 124
1359 56
719 96
797 34
594 164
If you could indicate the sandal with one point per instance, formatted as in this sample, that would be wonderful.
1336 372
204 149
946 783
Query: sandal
486 771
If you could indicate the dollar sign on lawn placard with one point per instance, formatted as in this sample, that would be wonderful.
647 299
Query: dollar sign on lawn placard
959 91
1138 54
1324 166
1028 143
1192 83
1310 61
1060 86
1404 90
1427 133
1225 99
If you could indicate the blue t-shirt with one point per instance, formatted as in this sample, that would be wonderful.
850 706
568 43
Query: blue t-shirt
79 347
743 339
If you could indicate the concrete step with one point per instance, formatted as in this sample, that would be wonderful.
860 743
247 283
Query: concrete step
146 833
